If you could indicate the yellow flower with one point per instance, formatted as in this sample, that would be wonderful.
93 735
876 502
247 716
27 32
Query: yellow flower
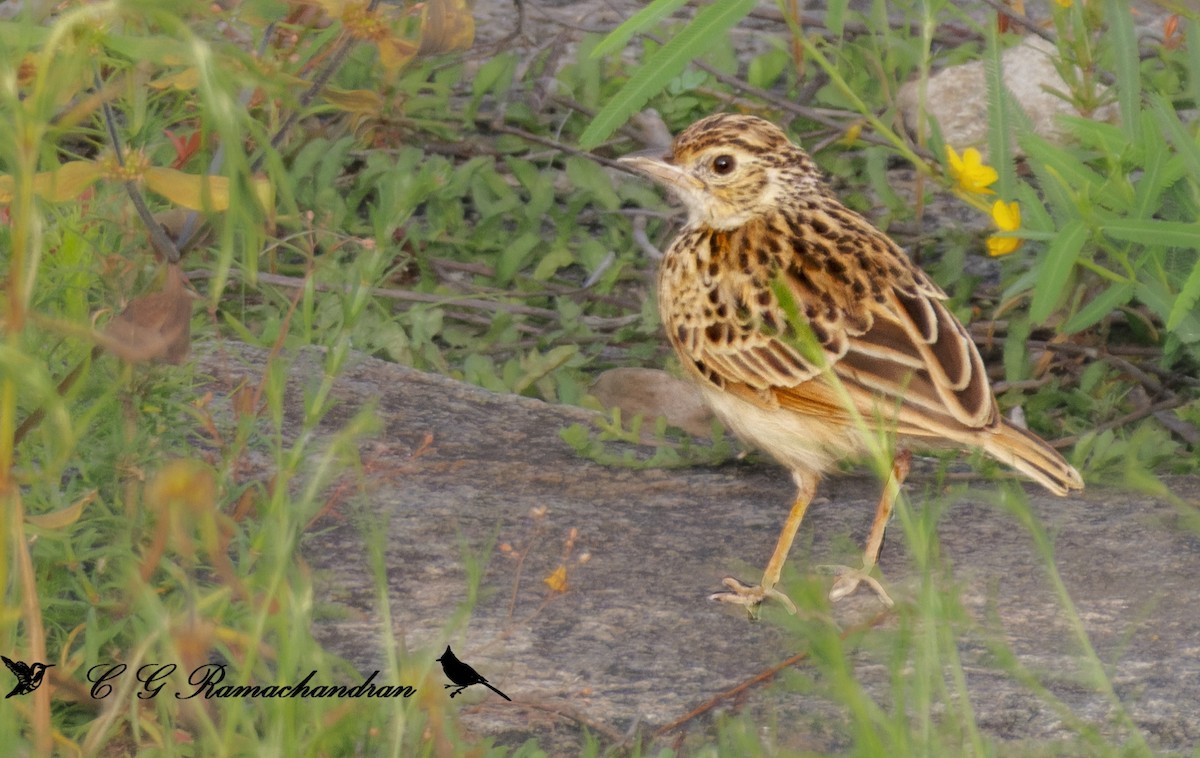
1064 3
971 173
1008 219
850 138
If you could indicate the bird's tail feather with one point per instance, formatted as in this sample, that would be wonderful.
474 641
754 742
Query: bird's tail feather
1032 456
498 692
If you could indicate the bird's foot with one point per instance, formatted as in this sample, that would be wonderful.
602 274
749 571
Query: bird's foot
848 580
750 596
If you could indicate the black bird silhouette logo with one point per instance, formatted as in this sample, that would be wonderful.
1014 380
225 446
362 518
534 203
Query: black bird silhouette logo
29 676
463 675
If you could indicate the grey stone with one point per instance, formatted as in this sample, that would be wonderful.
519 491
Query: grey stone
956 97
634 643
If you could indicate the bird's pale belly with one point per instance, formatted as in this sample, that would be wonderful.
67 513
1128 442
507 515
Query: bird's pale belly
800 442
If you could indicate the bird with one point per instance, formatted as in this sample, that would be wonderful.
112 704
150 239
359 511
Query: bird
463 675
29 676
811 333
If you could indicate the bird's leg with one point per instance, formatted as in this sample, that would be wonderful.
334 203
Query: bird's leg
848 579
751 597
458 689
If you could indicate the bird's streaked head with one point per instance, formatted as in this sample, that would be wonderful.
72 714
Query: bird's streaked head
730 168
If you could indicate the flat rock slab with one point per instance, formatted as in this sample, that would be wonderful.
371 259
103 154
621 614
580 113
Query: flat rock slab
634 644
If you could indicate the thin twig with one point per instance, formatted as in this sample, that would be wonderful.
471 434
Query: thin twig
191 229
549 142
958 33
318 83
1187 432
1128 418
1021 20
159 239
565 711
761 678
495 306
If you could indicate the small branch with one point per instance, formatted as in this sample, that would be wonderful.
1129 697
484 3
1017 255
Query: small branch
763 677
1128 418
1187 432
495 306
549 142
158 238
565 711
1021 20
958 33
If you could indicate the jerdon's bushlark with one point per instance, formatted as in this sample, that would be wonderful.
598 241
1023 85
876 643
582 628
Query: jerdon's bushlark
809 331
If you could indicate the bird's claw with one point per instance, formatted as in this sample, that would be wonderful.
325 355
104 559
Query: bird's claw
848 580
750 597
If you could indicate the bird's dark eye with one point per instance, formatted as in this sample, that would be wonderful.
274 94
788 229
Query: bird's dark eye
723 164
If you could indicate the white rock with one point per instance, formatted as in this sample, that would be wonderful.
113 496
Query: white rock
957 96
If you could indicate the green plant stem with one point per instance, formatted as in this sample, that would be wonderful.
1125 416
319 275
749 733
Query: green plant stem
847 91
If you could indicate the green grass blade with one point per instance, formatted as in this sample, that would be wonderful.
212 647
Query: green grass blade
1055 270
643 19
664 66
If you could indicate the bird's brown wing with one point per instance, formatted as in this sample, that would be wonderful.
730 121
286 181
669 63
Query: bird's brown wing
917 361
902 355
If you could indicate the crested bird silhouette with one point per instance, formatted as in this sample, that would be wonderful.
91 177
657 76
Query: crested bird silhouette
29 677
463 675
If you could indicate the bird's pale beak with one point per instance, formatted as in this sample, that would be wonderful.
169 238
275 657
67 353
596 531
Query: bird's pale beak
658 169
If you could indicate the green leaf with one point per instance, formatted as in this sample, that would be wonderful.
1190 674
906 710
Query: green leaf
514 256
1174 130
1154 232
1099 307
1160 170
1055 270
1068 181
1107 138
1001 124
1192 60
1185 303
1016 355
1034 215
835 17
557 258
643 19
494 76
1125 47
1156 297
541 192
587 175
655 73
766 68
1057 196
536 365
